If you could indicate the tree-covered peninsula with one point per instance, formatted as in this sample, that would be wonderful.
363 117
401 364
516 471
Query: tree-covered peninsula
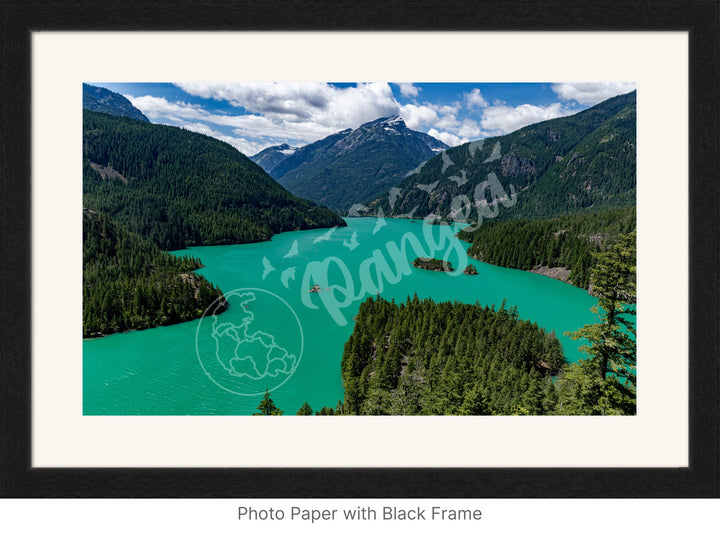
128 283
423 357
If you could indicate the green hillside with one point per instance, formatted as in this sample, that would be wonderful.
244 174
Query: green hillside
568 242
179 188
572 164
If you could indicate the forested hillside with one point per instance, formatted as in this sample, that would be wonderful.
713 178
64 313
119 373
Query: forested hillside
422 357
577 163
567 242
128 283
178 188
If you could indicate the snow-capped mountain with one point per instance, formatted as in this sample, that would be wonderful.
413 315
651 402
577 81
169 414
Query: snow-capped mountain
270 157
354 166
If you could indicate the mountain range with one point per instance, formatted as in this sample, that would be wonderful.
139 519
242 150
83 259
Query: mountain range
566 165
351 166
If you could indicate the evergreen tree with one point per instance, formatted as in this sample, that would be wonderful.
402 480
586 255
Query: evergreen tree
570 242
605 382
581 391
612 341
422 357
305 410
267 406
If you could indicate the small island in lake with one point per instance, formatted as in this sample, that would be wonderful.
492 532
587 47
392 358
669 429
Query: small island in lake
432 264
470 270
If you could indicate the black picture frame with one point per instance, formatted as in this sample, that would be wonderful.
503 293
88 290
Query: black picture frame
700 18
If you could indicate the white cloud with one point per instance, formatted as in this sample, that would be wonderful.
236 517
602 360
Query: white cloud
409 90
447 138
470 129
417 116
499 120
443 122
312 107
447 122
243 145
445 109
268 98
157 108
475 99
592 93
196 119
160 110
201 128
305 112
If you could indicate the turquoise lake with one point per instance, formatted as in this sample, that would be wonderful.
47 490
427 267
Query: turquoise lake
173 370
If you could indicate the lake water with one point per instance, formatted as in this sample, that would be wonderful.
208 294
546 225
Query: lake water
188 369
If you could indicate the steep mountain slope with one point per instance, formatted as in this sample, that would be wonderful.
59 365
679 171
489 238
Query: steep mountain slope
566 165
354 166
307 153
271 157
106 101
179 188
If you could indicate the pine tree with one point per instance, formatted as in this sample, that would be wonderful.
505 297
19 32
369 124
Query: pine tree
612 341
267 406
605 384
305 410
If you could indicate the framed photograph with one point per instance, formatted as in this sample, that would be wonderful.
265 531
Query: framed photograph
483 253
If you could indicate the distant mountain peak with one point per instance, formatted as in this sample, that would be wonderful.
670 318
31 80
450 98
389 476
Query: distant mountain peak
105 101
286 149
353 166
391 121
395 119
271 157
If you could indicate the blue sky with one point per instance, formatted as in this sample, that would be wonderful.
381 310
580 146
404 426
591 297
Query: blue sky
253 116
